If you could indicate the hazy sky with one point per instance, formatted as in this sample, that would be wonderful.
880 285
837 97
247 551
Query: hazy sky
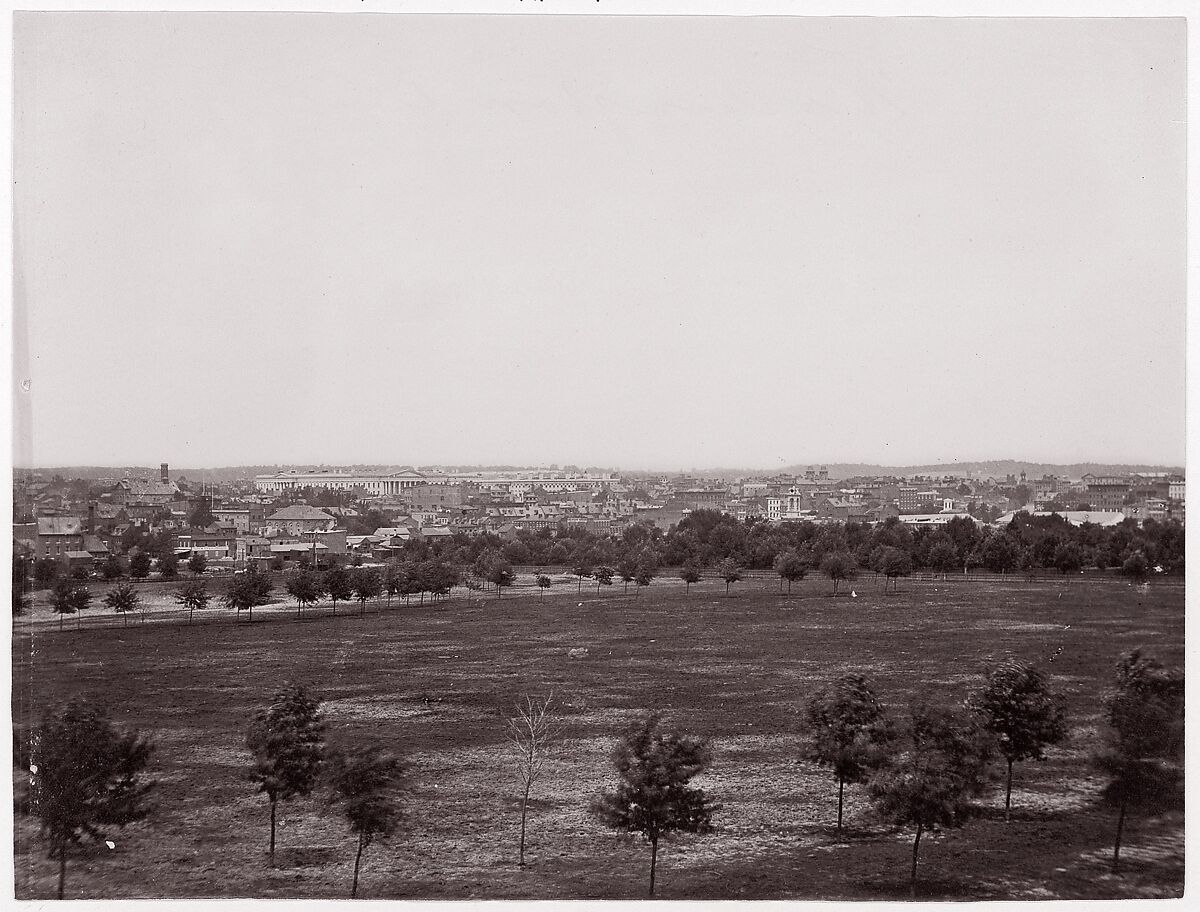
630 242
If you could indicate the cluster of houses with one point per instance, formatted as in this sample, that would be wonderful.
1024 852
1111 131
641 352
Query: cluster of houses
274 518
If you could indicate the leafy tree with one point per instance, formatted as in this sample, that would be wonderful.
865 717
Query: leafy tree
931 784
500 574
847 729
653 796
543 582
1068 558
532 734
689 574
246 592
305 587
197 563
287 739
367 584
81 599
838 566
644 576
111 568
627 570
366 782
62 599
583 571
393 580
139 565
603 577
201 517
191 595
123 599
1143 740
896 563
168 567
1024 715
791 567
337 586
84 775
1136 566
1000 554
943 557
729 571
45 571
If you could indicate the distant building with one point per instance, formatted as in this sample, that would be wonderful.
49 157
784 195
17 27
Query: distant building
1107 493
298 518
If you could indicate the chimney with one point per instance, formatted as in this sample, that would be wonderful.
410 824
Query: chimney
163 474
91 522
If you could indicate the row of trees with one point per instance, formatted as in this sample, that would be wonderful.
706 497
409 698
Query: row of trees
924 773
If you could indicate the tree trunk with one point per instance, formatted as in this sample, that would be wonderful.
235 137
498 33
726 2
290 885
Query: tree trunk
272 830
653 861
1008 793
61 615
841 792
524 809
62 867
335 607
1116 865
191 611
912 883
125 618
687 588
297 609
789 587
357 859
726 588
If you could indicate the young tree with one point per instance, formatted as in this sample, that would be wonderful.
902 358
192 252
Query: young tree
305 587
197 563
287 740
367 584
62 599
83 776
123 599
583 571
139 565
847 729
393 580
366 782
729 571
337 586
627 570
532 734
191 595
689 574
643 577
838 566
543 582
931 784
791 567
603 577
247 591
81 600
500 575
1143 740
1024 715
896 563
653 797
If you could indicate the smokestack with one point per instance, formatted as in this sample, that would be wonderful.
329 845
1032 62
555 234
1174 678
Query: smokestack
91 520
162 473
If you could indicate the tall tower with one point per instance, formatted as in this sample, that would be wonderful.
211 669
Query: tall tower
163 475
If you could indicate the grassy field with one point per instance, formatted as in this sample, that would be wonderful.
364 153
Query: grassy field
435 682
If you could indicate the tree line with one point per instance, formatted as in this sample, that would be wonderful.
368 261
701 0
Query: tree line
923 770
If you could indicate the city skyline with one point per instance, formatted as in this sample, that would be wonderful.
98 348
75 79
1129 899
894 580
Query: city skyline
673 241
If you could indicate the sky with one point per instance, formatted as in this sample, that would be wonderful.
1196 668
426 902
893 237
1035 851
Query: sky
642 243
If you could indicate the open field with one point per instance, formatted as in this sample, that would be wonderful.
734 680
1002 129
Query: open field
436 681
